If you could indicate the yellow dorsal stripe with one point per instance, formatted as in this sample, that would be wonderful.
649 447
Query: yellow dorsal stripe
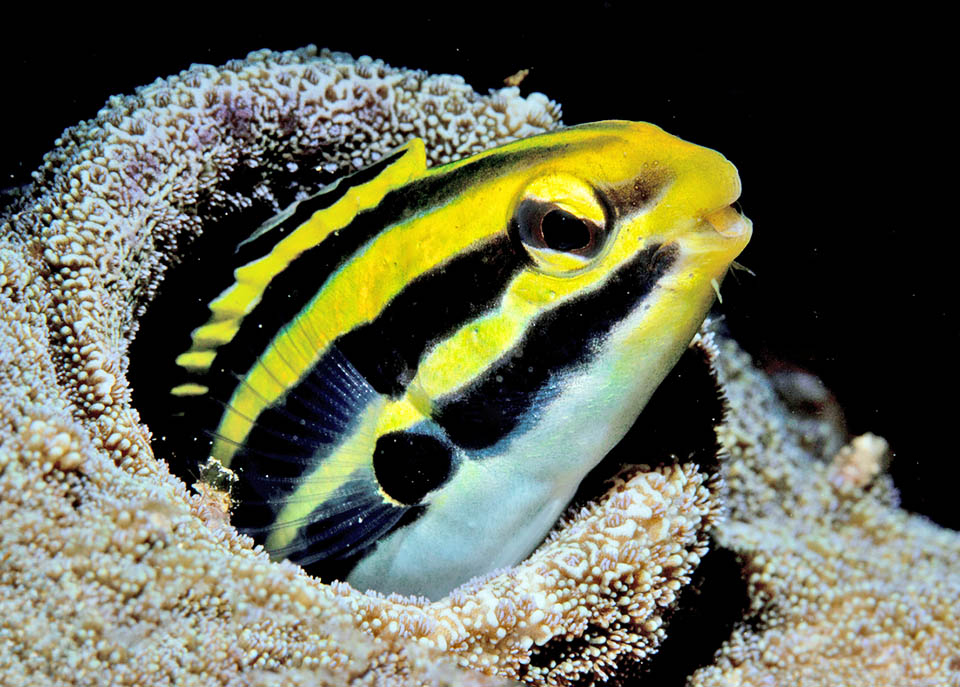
196 360
239 299
276 370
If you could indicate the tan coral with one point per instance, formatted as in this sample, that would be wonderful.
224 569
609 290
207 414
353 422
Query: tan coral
844 588
113 572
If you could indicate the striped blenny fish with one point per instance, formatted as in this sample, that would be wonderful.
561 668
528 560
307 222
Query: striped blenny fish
414 369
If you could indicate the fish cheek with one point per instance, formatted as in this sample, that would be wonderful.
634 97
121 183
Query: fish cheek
408 466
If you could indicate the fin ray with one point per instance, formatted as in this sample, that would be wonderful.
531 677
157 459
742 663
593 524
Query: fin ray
343 534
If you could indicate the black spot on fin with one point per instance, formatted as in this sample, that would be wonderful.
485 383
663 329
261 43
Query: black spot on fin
408 466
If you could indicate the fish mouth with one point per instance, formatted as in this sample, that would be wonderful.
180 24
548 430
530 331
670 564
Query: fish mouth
729 223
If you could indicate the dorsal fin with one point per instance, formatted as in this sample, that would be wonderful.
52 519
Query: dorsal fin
281 239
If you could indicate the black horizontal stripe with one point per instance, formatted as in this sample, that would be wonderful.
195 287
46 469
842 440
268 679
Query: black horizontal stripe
442 188
558 340
388 349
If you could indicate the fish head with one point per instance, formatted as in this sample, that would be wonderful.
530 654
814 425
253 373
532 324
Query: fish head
625 232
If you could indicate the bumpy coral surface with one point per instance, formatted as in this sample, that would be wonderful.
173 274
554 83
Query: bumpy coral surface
844 588
112 571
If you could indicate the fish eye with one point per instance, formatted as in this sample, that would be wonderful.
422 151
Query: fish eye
557 240
562 223
541 225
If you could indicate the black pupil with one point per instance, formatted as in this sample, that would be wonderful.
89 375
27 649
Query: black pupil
563 231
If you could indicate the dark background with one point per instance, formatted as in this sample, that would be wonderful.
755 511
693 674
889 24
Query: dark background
839 129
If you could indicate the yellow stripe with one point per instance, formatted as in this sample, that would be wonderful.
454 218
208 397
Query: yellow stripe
275 371
462 357
398 415
458 360
239 299
215 334
196 360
